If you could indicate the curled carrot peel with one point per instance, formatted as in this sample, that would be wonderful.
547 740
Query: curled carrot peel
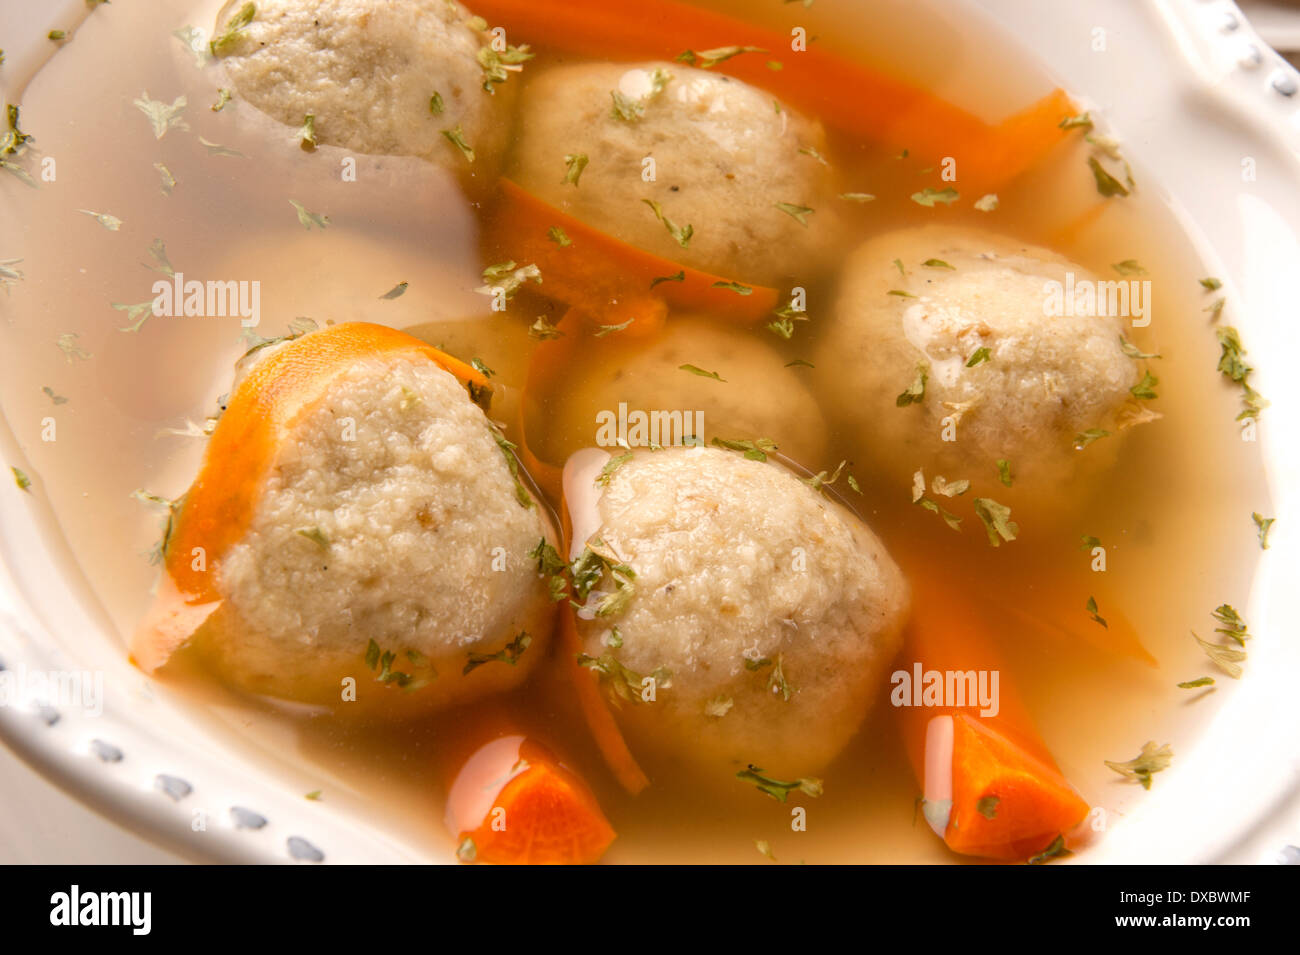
586 686
863 102
517 804
608 279
604 730
218 507
991 787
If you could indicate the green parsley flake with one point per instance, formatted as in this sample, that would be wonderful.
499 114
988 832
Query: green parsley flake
630 110
309 219
1229 660
1091 607
1144 389
1107 184
756 450
307 132
612 465
507 278
1085 438
623 682
234 26
111 223
456 136
997 520
695 370
1056 850
778 790
216 149
706 59
928 197
509 654
1263 525
604 330
1129 267
574 163
800 214
542 330
681 233
161 116
915 392
1151 760
497 64
315 535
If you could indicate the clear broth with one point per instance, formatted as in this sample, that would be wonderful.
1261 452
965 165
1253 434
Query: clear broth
1171 511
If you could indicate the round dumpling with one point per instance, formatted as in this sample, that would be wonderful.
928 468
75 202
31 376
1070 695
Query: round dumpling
379 76
971 365
725 166
387 539
758 396
765 613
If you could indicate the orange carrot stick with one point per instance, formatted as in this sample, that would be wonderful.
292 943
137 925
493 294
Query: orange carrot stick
607 278
1020 141
219 505
863 102
520 806
990 785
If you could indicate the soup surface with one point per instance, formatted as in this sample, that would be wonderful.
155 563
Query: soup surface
119 201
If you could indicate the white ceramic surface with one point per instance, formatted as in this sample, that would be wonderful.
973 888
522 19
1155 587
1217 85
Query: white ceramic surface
1189 89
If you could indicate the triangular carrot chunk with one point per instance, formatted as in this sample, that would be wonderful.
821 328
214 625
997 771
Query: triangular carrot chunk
1007 803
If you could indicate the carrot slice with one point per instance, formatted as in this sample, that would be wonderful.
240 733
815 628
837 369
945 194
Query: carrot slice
992 788
863 102
521 806
219 505
605 277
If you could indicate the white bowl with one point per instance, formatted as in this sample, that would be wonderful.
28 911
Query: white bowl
1190 89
